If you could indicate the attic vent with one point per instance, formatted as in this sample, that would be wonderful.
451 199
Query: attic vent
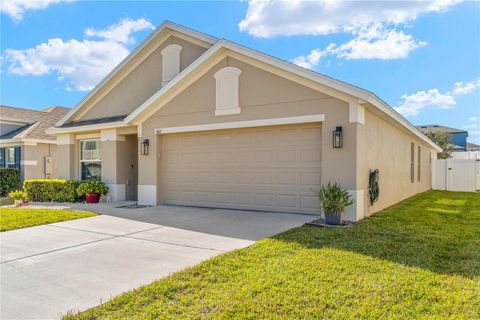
226 91
170 62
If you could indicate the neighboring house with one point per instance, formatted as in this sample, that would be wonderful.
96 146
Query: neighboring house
25 145
473 146
459 137
189 119
461 148
473 152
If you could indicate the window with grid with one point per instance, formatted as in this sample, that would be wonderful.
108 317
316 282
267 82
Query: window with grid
90 161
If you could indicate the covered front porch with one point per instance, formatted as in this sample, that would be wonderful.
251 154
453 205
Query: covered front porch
109 154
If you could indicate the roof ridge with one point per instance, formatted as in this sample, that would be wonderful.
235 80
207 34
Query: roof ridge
21 108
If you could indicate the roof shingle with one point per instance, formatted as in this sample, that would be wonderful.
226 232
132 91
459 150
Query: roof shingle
37 121
436 128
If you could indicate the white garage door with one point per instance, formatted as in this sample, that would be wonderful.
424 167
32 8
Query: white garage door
265 168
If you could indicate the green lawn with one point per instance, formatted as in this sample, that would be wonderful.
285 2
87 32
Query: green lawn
17 218
418 259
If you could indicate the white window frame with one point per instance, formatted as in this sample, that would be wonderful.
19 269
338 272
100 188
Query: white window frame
89 161
227 82
170 62
9 151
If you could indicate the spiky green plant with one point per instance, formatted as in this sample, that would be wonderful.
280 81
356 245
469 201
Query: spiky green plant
333 198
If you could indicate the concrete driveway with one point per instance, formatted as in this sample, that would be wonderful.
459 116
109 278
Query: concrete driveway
49 270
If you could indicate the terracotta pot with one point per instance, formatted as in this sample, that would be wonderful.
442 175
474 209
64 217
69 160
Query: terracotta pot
333 219
93 197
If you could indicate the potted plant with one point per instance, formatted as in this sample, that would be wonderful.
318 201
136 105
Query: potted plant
333 200
19 197
92 190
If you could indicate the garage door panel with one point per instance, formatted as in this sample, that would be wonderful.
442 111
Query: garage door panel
246 199
271 168
309 203
310 179
264 199
287 201
287 178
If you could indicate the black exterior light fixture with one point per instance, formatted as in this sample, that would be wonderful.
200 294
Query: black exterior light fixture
337 137
144 147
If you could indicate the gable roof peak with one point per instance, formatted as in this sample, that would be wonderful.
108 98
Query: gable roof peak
167 24
153 35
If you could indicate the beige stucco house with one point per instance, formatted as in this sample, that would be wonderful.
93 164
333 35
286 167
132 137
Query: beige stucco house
25 145
189 119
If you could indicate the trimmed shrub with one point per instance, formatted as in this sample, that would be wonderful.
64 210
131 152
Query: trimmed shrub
10 180
57 190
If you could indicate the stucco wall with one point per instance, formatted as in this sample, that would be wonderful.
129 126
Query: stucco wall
66 161
142 82
127 168
33 158
386 146
263 95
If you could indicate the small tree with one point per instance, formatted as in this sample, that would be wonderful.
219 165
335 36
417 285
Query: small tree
444 141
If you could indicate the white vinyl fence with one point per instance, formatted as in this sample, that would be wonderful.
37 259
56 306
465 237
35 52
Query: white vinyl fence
456 174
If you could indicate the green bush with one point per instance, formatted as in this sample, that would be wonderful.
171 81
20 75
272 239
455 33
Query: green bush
91 186
9 180
56 190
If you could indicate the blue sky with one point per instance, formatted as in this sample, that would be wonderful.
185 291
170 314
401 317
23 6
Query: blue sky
421 57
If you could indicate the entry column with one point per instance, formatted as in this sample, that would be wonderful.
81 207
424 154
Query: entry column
111 144
65 156
149 170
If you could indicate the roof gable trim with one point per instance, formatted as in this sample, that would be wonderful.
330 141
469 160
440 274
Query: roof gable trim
134 54
358 95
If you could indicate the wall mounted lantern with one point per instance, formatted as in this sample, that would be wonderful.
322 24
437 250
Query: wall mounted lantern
337 137
144 147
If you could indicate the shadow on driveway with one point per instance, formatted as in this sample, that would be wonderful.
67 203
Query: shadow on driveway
239 224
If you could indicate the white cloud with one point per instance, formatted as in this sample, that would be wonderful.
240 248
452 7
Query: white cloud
414 103
312 59
82 63
378 43
121 32
266 19
462 88
15 9
372 24
374 42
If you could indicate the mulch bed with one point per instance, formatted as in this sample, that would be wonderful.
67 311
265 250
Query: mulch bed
321 223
